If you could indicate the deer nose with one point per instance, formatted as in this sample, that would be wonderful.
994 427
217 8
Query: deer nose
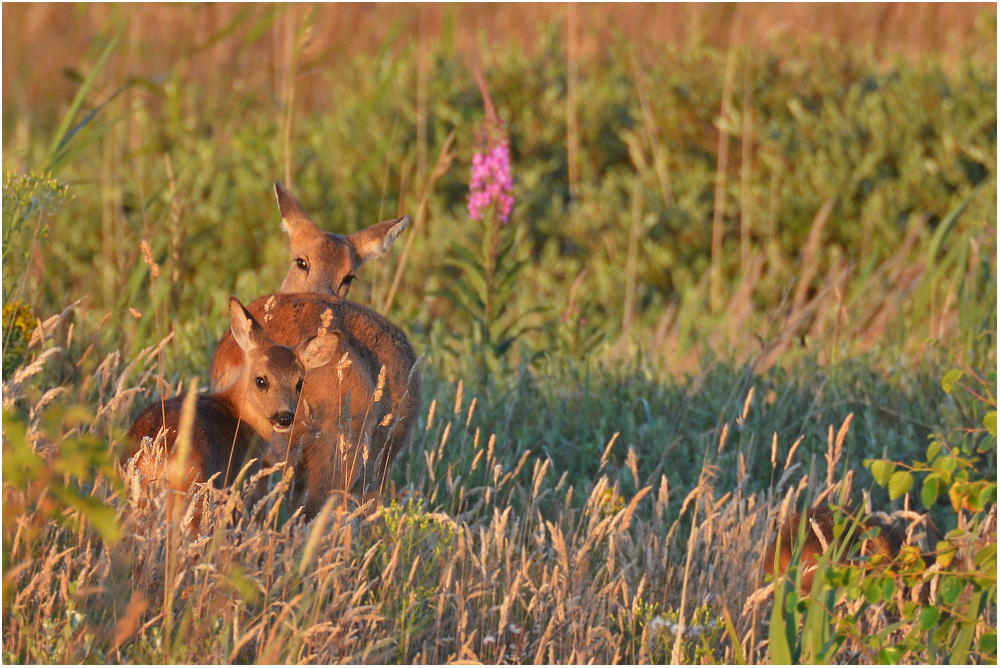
282 420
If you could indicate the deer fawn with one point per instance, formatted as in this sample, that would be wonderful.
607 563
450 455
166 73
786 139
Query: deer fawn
379 369
232 426
820 535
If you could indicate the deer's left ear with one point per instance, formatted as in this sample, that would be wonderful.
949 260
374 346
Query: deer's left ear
376 240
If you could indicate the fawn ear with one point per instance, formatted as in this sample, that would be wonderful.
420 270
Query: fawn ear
247 331
294 220
318 351
376 240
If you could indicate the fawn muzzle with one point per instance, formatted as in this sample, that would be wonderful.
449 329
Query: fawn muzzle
282 421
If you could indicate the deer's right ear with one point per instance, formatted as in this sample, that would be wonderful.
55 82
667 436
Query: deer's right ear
319 350
247 332
294 220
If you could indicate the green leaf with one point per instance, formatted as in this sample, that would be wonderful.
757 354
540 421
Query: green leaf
950 379
101 515
62 134
900 483
929 617
990 422
882 470
735 639
960 650
988 643
873 591
932 488
950 589
890 655
944 229
782 629
933 449
945 464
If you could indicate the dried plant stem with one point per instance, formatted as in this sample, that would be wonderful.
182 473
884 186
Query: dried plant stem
653 135
572 80
440 169
628 312
746 170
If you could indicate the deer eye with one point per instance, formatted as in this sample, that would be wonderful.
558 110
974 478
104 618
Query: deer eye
261 383
301 264
348 280
298 387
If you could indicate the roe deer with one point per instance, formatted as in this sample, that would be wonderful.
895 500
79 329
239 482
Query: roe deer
322 269
326 263
820 534
232 426
344 437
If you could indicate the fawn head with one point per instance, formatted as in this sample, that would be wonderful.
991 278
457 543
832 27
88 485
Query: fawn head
326 263
268 384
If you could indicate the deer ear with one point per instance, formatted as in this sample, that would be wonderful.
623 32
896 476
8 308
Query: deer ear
294 220
247 331
318 351
376 240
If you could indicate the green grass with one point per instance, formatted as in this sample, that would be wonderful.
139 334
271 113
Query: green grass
612 480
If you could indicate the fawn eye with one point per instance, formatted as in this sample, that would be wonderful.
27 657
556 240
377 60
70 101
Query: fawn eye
301 264
261 383
298 387
348 280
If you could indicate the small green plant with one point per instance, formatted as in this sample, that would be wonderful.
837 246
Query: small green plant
413 550
700 638
24 197
18 323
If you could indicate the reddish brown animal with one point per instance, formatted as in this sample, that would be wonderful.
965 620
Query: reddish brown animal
870 537
326 263
352 450
347 419
232 426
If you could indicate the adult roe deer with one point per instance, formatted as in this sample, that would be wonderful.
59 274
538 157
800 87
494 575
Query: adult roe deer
381 358
236 424
325 263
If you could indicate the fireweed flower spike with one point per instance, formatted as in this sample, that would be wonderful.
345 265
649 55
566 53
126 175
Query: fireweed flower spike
492 184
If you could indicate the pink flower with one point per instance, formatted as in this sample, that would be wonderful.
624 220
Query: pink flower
492 184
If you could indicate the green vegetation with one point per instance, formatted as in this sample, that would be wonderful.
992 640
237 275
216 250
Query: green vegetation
740 283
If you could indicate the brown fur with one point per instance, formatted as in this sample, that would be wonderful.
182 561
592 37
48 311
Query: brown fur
370 342
864 540
218 445
231 426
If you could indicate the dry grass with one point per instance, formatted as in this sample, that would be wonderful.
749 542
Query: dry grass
476 565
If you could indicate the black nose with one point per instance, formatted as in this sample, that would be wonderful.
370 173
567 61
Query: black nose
283 419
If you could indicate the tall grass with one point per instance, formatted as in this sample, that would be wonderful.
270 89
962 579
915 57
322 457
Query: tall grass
713 343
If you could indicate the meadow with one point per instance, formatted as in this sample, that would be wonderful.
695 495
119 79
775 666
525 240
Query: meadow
741 277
